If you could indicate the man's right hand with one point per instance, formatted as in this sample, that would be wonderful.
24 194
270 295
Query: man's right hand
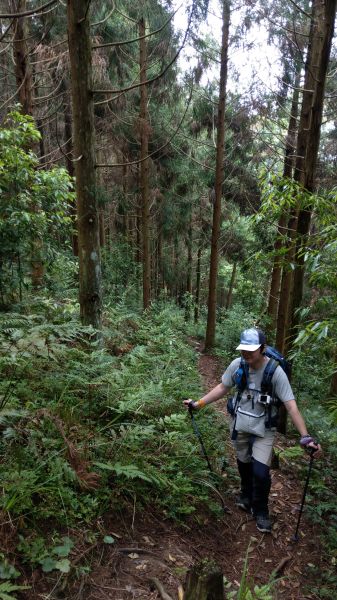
190 404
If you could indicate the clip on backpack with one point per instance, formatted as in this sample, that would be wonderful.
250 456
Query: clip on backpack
276 359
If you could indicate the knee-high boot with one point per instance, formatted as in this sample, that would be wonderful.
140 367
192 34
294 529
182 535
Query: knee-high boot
261 488
246 475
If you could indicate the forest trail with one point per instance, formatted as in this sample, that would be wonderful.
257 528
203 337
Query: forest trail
151 556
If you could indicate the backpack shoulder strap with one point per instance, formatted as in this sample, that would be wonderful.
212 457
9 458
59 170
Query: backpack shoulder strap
266 383
241 376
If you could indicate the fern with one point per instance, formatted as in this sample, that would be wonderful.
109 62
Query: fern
130 471
6 589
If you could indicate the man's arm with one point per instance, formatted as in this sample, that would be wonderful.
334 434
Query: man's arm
216 393
296 417
300 425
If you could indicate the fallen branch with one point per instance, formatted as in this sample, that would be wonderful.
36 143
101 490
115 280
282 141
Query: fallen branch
282 564
164 595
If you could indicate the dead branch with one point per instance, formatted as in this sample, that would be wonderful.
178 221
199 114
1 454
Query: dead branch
164 595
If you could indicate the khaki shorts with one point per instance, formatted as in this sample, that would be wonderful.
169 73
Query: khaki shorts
260 448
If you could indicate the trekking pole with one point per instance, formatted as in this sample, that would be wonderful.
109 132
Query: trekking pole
295 536
198 434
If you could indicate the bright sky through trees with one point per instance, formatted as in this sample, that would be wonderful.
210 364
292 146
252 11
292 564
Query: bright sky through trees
253 62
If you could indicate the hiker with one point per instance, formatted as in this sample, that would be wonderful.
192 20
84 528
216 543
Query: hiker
254 418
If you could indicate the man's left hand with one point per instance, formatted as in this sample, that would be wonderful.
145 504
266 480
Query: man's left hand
308 443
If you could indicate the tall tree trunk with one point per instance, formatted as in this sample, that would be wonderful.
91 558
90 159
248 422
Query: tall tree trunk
24 83
23 71
68 150
197 285
189 286
286 293
84 142
231 287
219 171
144 169
160 277
276 279
321 34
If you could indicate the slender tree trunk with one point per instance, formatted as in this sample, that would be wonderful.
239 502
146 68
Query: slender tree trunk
24 83
321 34
275 286
189 286
84 142
160 281
281 342
211 316
144 168
231 287
23 71
197 285
68 149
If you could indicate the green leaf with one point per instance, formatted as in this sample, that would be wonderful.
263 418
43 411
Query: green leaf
48 564
6 586
63 551
108 539
63 565
7 571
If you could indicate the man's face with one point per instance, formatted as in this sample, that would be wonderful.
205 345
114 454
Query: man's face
253 358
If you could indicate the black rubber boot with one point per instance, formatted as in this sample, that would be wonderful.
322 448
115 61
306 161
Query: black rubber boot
246 474
261 489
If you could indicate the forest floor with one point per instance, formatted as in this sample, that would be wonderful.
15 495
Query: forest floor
150 557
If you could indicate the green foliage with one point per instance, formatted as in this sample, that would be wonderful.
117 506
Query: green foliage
50 557
64 400
34 206
7 571
247 589
7 589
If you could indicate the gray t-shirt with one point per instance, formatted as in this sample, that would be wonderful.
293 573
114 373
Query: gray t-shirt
249 399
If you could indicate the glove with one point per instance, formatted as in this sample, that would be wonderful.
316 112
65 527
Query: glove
306 440
192 405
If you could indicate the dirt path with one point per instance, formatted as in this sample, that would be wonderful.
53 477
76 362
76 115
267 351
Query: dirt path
151 553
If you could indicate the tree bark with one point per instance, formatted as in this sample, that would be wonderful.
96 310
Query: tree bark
321 34
68 149
276 279
286 292
23 71
24 83
231 287
144 168
197 285
84 141
219 171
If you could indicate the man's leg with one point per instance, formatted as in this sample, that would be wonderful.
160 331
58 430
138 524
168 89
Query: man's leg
262 454
243 449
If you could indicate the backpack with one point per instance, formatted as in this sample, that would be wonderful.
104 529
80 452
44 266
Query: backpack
276 359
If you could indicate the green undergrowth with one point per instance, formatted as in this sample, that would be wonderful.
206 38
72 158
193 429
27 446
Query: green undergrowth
88 429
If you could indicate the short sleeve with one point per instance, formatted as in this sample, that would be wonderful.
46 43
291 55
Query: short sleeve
228 376
281 385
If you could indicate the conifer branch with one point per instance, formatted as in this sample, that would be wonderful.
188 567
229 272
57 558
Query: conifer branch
137 39
28 13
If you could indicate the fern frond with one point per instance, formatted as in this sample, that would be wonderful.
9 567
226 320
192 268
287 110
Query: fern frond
6 589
